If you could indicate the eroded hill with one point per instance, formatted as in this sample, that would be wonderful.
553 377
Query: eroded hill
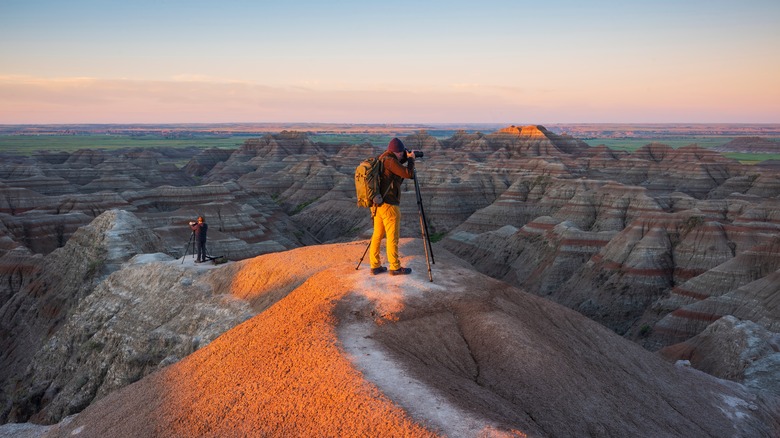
656 245
344 353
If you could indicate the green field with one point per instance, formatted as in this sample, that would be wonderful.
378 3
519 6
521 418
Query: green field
374 139
29 144
751 158
632 144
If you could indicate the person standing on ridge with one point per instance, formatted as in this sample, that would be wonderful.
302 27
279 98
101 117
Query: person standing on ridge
200 229
387 216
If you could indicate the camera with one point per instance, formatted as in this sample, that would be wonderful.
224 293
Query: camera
414 154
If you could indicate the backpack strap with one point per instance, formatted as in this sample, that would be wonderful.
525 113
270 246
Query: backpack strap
382 159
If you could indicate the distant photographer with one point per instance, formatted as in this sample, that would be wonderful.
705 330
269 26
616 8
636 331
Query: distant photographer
200 229
387 215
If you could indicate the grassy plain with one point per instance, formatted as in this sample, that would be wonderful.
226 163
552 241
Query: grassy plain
375 139
632 144
746 158
29 144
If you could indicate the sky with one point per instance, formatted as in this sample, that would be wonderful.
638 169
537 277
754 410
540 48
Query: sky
486 61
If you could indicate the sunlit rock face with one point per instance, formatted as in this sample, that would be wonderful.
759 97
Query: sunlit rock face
536 141
467 355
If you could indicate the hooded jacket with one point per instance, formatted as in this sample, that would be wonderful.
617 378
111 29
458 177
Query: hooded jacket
393 173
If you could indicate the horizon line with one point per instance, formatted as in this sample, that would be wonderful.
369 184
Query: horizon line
382 124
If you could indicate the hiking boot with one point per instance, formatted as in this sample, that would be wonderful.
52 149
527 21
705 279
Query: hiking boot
401 271
378 270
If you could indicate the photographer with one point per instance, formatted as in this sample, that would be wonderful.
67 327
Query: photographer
200 229
387 216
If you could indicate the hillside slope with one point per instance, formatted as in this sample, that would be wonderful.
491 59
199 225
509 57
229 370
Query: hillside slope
345 353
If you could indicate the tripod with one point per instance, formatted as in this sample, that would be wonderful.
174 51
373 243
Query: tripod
187 248
423 229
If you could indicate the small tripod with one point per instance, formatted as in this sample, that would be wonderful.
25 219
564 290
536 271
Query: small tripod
423 229
187 248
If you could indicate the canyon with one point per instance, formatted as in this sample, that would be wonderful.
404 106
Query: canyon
644 262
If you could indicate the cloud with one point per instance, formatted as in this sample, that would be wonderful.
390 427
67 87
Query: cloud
198 99
193 99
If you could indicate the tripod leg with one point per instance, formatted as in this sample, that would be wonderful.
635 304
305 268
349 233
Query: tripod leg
363 256
187 248
426 248
425 223
424 228
373 213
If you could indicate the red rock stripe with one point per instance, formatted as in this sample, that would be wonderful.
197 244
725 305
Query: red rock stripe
696 316
690 293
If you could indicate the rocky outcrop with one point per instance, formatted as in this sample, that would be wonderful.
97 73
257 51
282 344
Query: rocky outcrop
743 286
346 354
537 141
614 235
204 161
610 271
43 233
264 156
40 296
151 313
43 223
750 145
44 185
732 349
248 223
17 267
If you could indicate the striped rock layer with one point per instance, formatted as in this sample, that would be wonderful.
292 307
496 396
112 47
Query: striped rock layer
642 242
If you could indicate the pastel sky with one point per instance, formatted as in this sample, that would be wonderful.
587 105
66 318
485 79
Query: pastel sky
484 61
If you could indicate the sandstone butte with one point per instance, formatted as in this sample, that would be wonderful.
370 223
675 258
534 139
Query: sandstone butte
344 353
525 131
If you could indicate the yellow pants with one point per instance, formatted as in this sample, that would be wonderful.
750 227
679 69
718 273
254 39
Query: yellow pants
387 222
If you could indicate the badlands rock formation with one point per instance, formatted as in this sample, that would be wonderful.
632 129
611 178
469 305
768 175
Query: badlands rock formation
41 292
658 245
44 199
750 145
344 353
